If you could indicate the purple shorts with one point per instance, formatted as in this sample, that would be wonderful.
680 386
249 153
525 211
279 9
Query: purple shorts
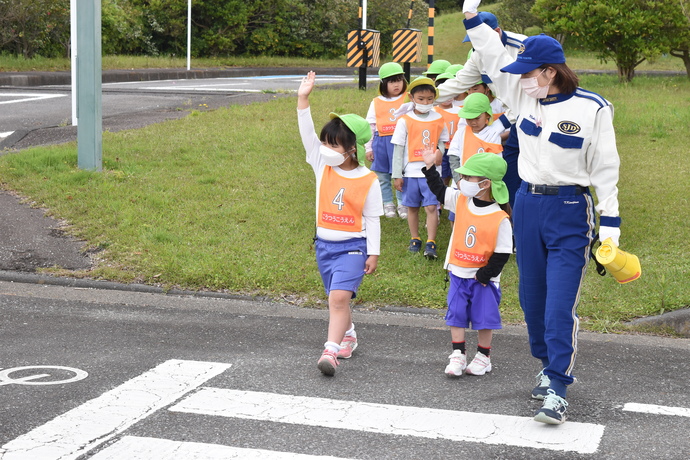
416 192
341 263
470 302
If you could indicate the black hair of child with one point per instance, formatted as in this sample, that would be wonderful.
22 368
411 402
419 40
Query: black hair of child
335 132
419 88
383 84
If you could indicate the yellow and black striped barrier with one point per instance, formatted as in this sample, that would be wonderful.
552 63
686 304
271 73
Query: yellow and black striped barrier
363 48
407 45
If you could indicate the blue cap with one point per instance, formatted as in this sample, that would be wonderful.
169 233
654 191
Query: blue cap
534 52
488 19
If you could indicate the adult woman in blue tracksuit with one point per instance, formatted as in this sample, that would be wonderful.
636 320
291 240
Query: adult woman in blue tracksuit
567 144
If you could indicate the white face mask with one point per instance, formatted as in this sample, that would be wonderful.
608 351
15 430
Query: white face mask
423 108
470 189
531 87
330 156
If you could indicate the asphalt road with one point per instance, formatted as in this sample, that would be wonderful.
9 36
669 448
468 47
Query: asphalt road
216 375
245 378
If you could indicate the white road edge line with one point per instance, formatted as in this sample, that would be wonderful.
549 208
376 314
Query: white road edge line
81 429
7 134
394 420
28 97
659 410
144 448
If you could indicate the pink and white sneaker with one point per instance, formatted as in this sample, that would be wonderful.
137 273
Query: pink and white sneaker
480 365
328 362
347 346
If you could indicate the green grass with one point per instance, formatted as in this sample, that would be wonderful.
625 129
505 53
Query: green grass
223 200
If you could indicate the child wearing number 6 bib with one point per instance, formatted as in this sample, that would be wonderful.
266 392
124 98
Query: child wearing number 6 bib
348 208
480 245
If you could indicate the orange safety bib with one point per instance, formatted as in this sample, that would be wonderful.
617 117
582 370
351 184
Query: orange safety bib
341 200
473 145
420 134
451 120
385 120
474 236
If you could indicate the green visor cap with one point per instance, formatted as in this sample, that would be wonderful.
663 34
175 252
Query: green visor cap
389 69
445 76
491 166
437 67
360 127
454 68
475 105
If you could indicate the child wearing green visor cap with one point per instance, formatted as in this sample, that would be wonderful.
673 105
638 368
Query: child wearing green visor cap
477 133
480 245
348 208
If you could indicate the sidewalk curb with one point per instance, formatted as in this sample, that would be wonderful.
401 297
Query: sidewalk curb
28 79
34 278
61 78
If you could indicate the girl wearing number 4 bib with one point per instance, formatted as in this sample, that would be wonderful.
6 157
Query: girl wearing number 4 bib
348 208
480 245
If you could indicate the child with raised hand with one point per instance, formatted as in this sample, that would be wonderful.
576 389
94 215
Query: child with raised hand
480 134
381 116
418 128
348 207
480 245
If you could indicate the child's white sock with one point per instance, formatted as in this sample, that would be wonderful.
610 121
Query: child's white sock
351 332
332 346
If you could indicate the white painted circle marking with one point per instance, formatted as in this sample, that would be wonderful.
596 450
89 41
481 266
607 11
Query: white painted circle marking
6 379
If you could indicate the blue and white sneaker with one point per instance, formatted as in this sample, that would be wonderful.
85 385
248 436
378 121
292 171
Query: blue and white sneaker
543 383
553 410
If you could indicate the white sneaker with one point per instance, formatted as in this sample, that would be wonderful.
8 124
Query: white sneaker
402 211
457 364
480 365
389 210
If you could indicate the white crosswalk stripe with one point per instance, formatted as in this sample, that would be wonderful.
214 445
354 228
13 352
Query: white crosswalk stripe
658 410
395 420
140 448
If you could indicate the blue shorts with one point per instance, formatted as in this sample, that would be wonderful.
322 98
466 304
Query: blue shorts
383 154
341 263
416 192
470 302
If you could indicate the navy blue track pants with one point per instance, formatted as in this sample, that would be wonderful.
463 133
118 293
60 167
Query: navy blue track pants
553 234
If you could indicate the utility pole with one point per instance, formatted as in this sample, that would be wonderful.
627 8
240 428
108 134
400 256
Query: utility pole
89 86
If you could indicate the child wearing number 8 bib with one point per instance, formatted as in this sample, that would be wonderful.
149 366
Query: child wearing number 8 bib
480 245
348 208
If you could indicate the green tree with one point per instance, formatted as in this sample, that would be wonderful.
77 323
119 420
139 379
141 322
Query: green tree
625 31
681 44
516 15
124 29
30 27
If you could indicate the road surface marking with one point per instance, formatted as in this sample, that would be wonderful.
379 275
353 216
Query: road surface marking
659 410
7 379
142 448
395 420
28 97
81 429
7 134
